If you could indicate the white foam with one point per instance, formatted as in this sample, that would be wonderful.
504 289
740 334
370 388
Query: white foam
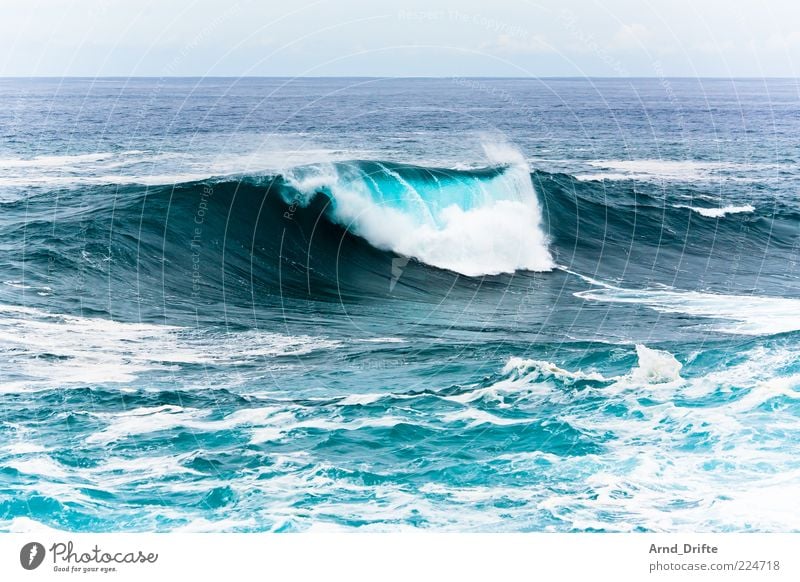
26 525
361 399
53 161
39 466
666 170
503 153
285 422
364 399
108 179
142 421
499 238
146 420
153 467
382 340
656 366
537 368
475 417
766 390
264 423
524 380
134 167
24 448
204 525
718 212
748 314
150 168
82 350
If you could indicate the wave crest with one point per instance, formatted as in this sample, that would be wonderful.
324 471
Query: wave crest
473 222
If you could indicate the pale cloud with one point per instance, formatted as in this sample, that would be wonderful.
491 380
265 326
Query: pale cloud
783 41
510 44
714 47
775 43
631 36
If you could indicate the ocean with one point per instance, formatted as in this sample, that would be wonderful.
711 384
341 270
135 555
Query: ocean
266 304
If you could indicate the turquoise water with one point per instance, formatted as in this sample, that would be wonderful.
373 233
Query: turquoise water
502 305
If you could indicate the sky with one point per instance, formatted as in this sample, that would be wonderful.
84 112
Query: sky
610 38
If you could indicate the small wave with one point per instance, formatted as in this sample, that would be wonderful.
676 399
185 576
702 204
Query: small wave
717 212
528 369
655 366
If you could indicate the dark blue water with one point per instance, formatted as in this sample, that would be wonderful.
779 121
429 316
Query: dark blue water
384 304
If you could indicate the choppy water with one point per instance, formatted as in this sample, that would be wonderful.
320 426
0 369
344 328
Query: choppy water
561 305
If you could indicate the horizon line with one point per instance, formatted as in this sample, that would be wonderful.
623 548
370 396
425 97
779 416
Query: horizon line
515 77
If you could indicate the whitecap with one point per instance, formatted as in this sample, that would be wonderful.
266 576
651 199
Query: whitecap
718 212
655 366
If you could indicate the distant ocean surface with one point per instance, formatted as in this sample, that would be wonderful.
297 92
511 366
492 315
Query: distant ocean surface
399 304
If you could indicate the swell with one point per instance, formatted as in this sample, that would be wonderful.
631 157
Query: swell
680 236
371 230
201 245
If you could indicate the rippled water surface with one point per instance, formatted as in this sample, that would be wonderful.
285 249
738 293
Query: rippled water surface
385 304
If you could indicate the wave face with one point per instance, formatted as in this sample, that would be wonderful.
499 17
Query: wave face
274 305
